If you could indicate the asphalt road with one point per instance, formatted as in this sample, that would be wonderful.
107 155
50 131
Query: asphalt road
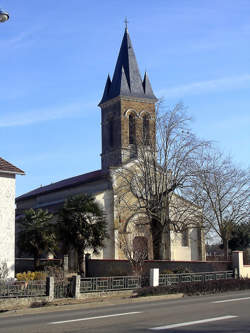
224 313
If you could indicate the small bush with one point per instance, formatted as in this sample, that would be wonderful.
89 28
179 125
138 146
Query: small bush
167 271
56 272
197 288
31 276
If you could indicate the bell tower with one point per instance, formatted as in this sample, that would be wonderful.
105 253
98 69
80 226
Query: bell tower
128 109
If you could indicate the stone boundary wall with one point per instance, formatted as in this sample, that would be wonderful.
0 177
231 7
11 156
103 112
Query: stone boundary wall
97 294
9 303
110 267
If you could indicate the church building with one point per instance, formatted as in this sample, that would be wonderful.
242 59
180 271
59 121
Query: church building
127 114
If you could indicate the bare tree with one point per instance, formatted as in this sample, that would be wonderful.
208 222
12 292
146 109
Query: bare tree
223 192
152 183
135 245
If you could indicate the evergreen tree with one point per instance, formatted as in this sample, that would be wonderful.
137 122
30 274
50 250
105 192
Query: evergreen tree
36 236
240 239
82 226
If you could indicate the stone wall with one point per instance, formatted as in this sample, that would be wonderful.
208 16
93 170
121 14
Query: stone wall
7 221
7 304
115 118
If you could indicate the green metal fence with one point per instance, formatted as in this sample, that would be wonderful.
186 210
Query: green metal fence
63 289
112 283
22 289
168 279
101 284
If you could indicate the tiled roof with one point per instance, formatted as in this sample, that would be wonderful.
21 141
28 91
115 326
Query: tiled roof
68 182
7 167
127 80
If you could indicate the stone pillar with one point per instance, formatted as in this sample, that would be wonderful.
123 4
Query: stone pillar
66 263
237 258
116 243
50 287
201 243
154 277
76 286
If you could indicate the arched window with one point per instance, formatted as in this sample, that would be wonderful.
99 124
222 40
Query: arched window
131 120
145 129
111 132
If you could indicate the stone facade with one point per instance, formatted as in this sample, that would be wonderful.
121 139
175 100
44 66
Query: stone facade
188 245
116 148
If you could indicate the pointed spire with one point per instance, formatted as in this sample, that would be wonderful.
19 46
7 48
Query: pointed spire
127 60
127 80
124 87
148 91
106 89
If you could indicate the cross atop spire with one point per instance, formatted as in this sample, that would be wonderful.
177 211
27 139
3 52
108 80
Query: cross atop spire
126 23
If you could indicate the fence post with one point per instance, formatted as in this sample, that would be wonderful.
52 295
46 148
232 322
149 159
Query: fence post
236 274
50 287
154 277
237 258
76 286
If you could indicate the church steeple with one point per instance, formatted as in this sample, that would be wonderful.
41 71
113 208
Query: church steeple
128 109
127 80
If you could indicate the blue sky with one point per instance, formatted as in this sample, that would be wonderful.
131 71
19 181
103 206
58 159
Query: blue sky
55 57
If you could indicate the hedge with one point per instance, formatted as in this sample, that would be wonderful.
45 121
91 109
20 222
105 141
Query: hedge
197 288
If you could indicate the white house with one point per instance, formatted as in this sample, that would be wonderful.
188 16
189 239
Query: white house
8 174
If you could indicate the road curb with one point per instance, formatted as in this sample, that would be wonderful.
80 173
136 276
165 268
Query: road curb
72 304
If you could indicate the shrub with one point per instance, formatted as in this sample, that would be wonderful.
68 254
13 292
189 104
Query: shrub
197 288
167 271
56 272
31 276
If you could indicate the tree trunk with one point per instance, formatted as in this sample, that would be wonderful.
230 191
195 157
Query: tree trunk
157 232
36 262
225 248
81 262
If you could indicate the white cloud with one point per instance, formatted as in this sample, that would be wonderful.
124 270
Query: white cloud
201 87
46 114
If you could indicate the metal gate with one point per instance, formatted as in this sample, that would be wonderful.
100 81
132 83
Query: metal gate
63 289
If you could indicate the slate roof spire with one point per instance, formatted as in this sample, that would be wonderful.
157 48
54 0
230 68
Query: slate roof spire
126 79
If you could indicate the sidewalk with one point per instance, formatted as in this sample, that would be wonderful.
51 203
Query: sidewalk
73 304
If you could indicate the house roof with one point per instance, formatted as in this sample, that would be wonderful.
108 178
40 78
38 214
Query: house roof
65 183
127 80
7 167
